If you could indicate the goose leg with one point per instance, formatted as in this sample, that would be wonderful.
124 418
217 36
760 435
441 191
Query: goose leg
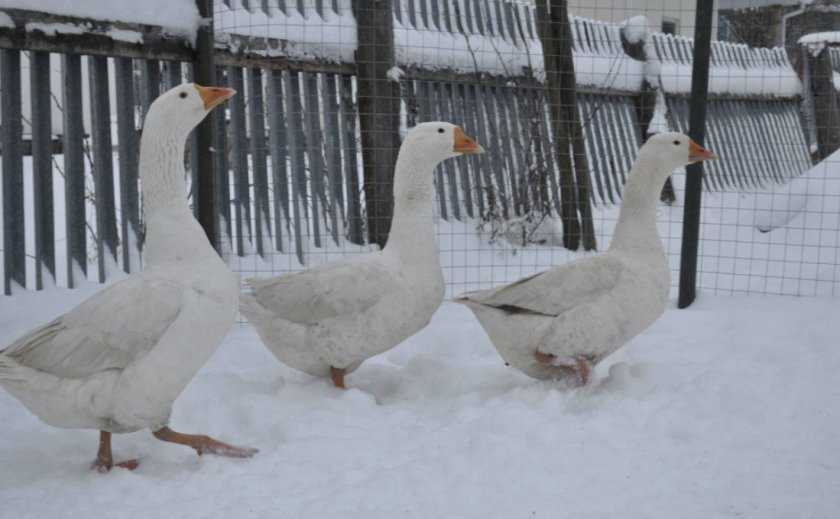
203 444
105 460
337 375
579 365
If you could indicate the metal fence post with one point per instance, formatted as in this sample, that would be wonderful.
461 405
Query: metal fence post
694 172
205 74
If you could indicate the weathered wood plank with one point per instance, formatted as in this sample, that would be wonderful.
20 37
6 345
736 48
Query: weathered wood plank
279 155
42 177
351 172
332 146
103 163
221 166
494 145
296 160
150 82
442 101
262 220
314 153
426 115
127 155
74 169
11 135
239 161
465 109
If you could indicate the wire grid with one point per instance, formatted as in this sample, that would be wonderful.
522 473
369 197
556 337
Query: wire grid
756 122
769 222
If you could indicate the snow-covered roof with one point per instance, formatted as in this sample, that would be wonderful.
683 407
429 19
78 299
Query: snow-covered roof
736 69
177 17
820 37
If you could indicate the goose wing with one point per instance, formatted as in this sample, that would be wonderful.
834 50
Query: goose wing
556 290
328 291
107 331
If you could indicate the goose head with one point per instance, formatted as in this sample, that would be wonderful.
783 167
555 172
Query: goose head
665 152
438 141
170 119
181 108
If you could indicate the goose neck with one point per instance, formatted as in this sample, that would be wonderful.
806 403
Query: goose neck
412 233
172 234
636 228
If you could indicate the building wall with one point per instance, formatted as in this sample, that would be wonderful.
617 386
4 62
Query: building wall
616 11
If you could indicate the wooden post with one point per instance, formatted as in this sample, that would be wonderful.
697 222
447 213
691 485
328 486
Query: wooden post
826 109
379 110
205 74
556 37
694 172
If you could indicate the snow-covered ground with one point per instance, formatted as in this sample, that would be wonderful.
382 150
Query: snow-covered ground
727 409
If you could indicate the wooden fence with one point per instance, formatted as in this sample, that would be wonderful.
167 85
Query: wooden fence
288 148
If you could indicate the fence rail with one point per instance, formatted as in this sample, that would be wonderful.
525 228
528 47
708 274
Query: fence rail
288 148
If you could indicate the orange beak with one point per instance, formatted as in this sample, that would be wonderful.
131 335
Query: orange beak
213 96
697 153
464 144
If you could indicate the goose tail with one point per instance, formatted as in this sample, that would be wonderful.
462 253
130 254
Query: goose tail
11 371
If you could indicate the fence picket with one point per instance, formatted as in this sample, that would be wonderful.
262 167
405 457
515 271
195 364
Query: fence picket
42 178
469 166
278 151
150 71
313 138
14 243
494 143
256 119
239 160
103 162
74 168
127 155
332 142
351 170
296 159
222 168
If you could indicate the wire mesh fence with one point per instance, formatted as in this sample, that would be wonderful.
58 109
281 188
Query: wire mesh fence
561 95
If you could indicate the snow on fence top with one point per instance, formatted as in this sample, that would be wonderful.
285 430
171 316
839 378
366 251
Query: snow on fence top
736 69
176 17
309 30
497 37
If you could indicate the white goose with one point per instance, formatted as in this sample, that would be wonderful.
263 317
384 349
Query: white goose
327 320
118 361
557 324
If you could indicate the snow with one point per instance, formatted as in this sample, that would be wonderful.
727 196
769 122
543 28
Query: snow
767 72
726 409
6 20
306 35
51 29
817 41
124 35
395 74
820 37
659 121
636 29
177 17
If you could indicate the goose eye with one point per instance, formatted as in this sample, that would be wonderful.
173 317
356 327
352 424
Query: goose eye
183 95
441 130
676 143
